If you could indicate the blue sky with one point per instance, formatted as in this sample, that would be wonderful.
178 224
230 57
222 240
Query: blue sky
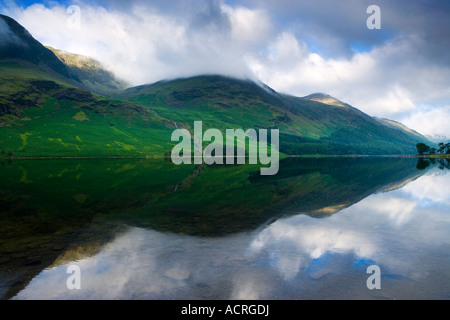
400 71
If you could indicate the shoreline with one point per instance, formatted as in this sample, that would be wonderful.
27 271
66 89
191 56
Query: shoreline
431 156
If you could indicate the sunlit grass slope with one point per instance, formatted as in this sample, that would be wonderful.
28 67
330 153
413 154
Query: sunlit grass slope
41 116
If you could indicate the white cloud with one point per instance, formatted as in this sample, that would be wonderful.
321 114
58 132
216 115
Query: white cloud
430 121
430 188
291 67
382 82
397 210
373 229
307 240
6 36
142 46
248 26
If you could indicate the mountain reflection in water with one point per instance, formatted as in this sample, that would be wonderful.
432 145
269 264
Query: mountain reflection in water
150 230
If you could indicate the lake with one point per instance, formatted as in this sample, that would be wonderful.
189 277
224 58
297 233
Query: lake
147 229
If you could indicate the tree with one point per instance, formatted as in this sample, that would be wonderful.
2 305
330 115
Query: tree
444 147
433 151
422 164
422 148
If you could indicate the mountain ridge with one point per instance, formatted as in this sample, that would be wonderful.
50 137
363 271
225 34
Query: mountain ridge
138 121
91 73
300 118
326 99
18 44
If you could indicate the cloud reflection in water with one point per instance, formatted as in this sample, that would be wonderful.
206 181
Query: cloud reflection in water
404 231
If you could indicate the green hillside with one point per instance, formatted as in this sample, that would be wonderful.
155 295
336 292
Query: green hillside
306 126
42 118
46 110
90 72
18 45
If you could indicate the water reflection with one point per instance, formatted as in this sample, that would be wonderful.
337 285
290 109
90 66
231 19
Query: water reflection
398 219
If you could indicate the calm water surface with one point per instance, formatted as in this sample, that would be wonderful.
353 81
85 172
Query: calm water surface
149 230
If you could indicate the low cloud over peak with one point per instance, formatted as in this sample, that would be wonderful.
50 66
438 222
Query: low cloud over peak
7 36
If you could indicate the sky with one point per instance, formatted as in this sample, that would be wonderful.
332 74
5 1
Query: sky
399 71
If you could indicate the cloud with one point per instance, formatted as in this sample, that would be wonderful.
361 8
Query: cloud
430 121
335 28
383 82
307 240
5 32
429 189
397 210
145 44
386 228
390 72
6 35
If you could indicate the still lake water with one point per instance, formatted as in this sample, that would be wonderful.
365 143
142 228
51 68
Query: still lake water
146 229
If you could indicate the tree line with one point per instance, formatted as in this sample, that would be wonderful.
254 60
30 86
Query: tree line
443 148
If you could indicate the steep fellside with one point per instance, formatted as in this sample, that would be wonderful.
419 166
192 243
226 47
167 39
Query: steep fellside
45 110
17 45
306 126
90 72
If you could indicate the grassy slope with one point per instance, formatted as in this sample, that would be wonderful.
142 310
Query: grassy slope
91 73
41 116
307 127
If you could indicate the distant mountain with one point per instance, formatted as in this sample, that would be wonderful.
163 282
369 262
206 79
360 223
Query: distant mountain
435 138
326 99
90 72
18 46
399 126
54 105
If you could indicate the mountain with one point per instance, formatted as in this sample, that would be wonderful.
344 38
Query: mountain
54 105
307 126
46 110
18 45
326 99
399 126
90 72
